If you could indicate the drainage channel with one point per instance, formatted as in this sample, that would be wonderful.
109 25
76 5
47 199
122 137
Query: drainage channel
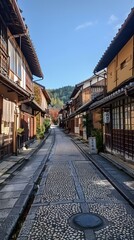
31 198
24 214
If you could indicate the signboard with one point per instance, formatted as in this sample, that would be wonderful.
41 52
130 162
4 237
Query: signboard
76 130
92 145
106 117
26 108
84 133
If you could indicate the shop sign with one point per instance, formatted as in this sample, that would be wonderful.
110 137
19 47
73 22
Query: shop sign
26 108
106 117
92 145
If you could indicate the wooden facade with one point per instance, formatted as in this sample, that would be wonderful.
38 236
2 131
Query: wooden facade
109 102
76 111
119 102
18 64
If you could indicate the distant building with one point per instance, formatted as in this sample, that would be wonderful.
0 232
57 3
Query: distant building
76 112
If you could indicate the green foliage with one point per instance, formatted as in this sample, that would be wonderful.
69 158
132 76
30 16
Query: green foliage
60 96
87 122
47 124
38 120
43 128
40 132
20 131
37 95
99 138
56 102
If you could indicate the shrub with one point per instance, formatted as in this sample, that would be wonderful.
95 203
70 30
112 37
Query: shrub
47 124
40 132
99 138
20 131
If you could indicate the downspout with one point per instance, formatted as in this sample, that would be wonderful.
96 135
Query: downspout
133 59
37 80
15 131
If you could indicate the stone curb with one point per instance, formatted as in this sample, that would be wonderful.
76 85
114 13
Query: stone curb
120 165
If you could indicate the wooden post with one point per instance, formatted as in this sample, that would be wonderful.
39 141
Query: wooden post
15 134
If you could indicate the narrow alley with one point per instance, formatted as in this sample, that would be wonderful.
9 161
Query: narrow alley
75 201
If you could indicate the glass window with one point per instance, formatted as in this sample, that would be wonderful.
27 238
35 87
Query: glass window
12 57
123 64
117 116
132 116
121 117
19 67
15 60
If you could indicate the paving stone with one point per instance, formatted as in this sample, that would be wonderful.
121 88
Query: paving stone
2 181
7 203
63 187
70 185
4 213
51 222
9 195
120 221
13 187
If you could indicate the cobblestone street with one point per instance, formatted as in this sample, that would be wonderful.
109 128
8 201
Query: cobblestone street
70 185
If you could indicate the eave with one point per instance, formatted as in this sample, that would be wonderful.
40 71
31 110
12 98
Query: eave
46 94
13 87
122 37
125 91
12 17
76 89
35 106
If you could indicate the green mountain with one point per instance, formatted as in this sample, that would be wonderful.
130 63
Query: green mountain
60 96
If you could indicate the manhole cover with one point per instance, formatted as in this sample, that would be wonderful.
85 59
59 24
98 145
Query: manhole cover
85 221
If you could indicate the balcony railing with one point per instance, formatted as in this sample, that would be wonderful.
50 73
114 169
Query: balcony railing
4 59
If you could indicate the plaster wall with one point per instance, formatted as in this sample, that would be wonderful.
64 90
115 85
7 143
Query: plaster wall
121 68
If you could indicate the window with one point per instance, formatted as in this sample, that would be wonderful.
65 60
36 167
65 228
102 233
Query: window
15 60
121 116
3 34
117 115
127 117
12 56
132 116
123 64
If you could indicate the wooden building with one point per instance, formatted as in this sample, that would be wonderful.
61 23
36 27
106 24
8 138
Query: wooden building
43 99
18 64
118 105
77 110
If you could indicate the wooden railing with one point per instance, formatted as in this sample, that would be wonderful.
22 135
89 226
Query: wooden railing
4 59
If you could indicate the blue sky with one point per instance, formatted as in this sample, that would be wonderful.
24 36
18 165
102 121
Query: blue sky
70 36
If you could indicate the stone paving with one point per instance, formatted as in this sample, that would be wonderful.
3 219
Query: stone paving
71 185
15 191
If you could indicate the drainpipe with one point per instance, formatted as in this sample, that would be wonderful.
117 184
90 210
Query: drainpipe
15 131
37 80
133 59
